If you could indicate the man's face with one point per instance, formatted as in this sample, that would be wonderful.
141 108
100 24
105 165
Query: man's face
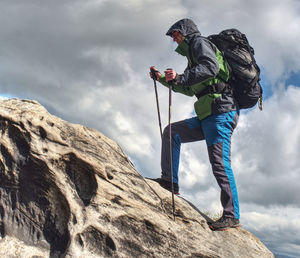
177 37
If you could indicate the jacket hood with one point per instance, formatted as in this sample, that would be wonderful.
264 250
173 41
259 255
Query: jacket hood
186 27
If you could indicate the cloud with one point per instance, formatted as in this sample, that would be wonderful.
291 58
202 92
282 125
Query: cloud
272 27
88 62
266 148
278 227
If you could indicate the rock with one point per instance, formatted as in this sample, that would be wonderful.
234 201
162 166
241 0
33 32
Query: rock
69 191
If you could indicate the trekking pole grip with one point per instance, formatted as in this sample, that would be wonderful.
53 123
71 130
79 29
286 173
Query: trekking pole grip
154 77
170 82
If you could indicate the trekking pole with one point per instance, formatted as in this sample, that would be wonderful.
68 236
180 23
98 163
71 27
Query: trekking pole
156 96
170 139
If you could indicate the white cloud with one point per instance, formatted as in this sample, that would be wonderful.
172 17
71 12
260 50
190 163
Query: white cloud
88 62
267 147
278 227
272 27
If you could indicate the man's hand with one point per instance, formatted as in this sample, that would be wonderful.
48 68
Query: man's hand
157 73
170 75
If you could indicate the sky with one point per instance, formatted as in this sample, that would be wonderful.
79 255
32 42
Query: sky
87 61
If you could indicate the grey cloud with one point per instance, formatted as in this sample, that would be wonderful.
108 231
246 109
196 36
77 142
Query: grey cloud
272 28
270 191
276 226
88 62
267 149
77 45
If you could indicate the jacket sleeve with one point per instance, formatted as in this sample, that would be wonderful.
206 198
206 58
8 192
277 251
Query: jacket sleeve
177 88
206 66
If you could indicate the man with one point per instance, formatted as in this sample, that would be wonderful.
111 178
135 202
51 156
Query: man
217 112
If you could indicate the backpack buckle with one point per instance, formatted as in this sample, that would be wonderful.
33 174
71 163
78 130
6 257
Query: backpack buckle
213 88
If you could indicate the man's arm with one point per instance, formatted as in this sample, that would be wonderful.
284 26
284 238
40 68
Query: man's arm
207 64
177 88
162 79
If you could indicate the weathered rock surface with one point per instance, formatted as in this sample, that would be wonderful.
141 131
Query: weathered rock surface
69 191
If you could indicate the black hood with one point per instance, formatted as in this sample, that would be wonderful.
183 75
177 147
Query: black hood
186 27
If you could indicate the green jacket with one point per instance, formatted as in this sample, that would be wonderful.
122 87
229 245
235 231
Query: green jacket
206 67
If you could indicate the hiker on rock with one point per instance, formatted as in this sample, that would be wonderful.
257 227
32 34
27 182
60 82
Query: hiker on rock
205 77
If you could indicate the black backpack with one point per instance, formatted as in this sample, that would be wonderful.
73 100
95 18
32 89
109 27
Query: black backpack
244 71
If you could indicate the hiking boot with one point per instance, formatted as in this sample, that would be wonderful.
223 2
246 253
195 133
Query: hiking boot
218 220
224 223
166 184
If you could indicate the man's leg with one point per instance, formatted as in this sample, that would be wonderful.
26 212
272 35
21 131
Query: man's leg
188 130
218 130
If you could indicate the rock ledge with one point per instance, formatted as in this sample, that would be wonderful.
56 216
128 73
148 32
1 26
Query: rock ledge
68 191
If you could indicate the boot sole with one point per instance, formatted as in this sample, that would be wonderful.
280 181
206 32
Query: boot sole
224 229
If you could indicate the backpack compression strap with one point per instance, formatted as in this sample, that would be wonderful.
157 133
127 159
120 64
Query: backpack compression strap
215 88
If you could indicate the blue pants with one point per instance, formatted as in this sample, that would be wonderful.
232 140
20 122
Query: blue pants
216 130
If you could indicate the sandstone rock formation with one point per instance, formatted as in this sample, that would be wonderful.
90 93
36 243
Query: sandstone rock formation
69 191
